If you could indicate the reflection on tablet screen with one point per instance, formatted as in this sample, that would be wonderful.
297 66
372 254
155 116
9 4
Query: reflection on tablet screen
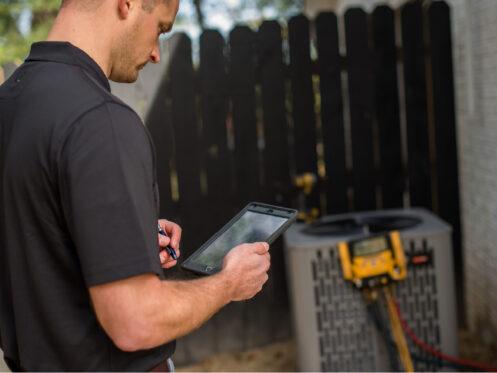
251 227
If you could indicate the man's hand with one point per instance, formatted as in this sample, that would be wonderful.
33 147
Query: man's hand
245 269
173 230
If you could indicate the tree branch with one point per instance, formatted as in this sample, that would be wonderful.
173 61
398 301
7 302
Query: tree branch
199 13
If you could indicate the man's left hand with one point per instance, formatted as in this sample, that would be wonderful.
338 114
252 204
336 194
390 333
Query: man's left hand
173 230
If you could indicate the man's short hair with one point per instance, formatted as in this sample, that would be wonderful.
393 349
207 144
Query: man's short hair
147 5
82 4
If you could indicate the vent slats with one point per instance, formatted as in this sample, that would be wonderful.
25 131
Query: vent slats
346 333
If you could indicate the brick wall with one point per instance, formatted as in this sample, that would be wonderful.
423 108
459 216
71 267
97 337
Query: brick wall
475 68
3 366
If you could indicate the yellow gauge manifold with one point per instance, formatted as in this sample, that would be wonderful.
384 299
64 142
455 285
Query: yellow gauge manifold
374 260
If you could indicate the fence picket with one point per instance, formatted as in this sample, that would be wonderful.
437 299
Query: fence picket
242 43
186 140
386 102
242 80
361 109
329 68
213 87
272 77
446 134
277 184
159 123
304 121
418 152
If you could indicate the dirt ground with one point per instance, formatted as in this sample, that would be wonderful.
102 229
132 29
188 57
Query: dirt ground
280 357
472 348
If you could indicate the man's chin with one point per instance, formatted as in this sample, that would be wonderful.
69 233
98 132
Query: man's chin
125 78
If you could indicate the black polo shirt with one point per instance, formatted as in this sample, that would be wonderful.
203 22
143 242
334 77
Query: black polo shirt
79 207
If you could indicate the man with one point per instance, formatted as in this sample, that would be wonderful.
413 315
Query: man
81 283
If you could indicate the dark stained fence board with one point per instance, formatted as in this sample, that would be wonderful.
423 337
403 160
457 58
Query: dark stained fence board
329 69
418 151
245 317
361 108
446 134
213 85
272 78
387 108
304 121
186 139
276 163
159 124
242 89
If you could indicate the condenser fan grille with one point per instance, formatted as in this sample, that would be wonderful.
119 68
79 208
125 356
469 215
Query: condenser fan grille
351 226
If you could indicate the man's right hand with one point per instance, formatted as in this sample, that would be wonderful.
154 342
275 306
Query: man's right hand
245 268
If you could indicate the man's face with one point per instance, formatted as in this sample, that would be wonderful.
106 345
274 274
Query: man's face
140 43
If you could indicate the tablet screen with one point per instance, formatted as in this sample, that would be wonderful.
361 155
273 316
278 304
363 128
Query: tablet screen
251 227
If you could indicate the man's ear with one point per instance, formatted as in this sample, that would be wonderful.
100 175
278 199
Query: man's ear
123 8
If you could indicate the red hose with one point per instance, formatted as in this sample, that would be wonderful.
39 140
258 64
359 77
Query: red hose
433 351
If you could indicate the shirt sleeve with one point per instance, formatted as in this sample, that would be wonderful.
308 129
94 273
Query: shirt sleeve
107 189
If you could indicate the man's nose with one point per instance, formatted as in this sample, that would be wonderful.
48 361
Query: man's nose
155 55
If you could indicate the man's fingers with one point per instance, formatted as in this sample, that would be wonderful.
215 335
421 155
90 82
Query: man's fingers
173 230
165 258
169 264
163 240
175 235
261 247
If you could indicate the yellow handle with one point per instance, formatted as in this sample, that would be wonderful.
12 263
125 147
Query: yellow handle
398 272
343 251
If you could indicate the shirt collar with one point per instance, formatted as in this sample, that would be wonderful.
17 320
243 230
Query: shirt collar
65 52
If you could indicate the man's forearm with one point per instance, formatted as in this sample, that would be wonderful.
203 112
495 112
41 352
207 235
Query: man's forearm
183 306
153 312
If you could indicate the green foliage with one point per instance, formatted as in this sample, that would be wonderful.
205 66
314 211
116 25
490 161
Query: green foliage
37 16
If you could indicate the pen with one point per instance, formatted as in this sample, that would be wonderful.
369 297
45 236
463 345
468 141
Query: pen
169 249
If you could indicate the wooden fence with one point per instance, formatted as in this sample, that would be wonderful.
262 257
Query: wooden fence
364 101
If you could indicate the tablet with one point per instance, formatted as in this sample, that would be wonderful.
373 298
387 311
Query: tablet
257 222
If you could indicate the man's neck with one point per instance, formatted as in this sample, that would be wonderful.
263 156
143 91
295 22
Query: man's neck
85 34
